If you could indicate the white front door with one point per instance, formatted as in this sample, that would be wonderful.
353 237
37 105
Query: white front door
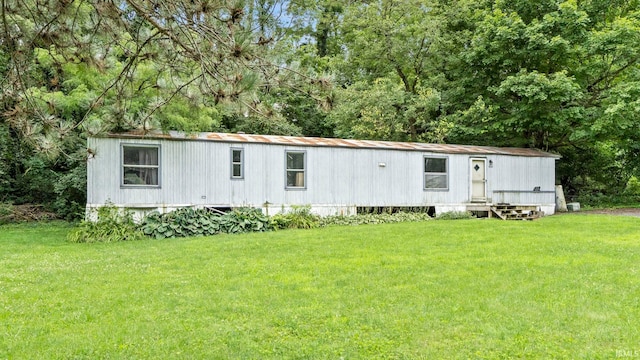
478 180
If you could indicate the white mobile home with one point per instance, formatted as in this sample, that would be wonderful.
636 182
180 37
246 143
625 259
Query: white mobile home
165 171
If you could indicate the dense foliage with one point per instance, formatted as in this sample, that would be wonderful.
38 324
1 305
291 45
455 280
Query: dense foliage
198 222
297 218
301 217
562 76
383 218
455 215
111 225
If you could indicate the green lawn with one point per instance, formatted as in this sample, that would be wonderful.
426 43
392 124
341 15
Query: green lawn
563 287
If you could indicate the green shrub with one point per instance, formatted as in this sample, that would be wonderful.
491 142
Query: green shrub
633 187
112 225
299 217
202 222
71 189
383 218
6 213
242 220
180 223
599 200
455 215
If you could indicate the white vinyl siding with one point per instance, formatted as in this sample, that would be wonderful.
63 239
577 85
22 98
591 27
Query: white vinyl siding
198 173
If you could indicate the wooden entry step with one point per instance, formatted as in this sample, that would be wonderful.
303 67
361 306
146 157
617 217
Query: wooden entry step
516 212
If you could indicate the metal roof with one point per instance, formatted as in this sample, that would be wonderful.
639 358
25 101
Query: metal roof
332 142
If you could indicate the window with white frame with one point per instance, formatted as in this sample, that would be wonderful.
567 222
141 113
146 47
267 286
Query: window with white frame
296 170
140 165
436 173
237 164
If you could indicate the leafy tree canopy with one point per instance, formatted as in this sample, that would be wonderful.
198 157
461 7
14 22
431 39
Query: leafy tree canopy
562 76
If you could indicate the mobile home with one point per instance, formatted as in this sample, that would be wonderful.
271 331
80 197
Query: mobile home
164 171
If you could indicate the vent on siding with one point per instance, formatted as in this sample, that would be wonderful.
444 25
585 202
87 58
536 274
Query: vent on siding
219 210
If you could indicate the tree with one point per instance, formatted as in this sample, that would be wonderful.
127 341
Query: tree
317 22
136 63
384 110
76 67
386 69
549 80
556 76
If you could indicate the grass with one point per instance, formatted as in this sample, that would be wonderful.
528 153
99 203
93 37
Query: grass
560 287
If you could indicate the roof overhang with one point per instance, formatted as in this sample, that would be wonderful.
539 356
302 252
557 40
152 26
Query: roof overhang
332 142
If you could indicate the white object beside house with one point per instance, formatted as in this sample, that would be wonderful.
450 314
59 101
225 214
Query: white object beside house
165 171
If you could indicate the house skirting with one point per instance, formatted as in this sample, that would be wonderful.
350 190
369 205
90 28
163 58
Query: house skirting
139 211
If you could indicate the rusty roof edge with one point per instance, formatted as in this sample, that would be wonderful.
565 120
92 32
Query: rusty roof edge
332 142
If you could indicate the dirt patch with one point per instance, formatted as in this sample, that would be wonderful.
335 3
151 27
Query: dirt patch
22 213
619 212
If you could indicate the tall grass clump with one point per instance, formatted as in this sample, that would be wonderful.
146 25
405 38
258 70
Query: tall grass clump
455 215
299 217
112 225
6 210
